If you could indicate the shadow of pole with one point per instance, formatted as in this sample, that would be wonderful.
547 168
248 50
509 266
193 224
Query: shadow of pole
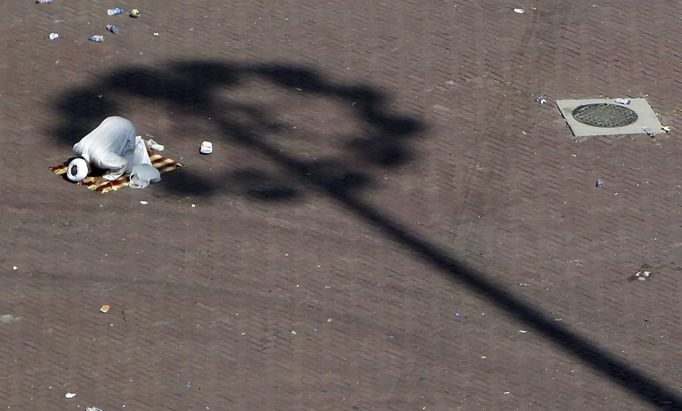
634 381
190 87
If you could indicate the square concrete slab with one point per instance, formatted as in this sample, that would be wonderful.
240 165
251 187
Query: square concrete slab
646 119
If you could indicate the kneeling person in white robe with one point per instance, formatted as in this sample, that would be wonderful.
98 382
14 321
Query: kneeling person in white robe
113 147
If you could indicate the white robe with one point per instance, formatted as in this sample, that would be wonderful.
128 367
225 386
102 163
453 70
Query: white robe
113 147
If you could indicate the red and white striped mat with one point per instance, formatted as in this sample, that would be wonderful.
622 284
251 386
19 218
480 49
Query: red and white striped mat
99 184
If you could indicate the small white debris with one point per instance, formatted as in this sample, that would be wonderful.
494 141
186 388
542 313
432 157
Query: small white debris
8 318
206 147
143 202
70 395
541 99
506 392
523 331
519 11
624 101
54 36
329 320
194 205
156 34
293 332
666 129
483 357
15 268
93 409
642 275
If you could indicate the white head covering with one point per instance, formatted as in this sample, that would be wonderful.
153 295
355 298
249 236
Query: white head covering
77 170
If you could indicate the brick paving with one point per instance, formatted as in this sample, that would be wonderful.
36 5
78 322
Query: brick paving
389 220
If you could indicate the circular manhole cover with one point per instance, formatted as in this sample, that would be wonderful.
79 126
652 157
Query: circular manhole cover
604 115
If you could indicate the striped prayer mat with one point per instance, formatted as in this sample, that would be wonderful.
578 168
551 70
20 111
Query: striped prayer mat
99 184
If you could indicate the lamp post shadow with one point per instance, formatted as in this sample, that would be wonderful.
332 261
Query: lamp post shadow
194 87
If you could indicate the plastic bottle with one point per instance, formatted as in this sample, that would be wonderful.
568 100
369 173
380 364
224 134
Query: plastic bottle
116 11
111 28
96 38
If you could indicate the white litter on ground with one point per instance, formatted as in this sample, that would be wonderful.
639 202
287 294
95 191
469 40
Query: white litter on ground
8 318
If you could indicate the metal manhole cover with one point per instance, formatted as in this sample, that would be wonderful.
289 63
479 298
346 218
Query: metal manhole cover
604 115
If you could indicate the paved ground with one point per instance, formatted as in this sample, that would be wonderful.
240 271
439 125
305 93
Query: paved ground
388 222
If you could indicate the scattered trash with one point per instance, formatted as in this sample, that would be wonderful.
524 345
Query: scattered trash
15 268
93 409
520 11
156 34
666 129
642 275
115 12
8 318
54 36
625 101
188 385
143 202
206 147
506 393
600 183
649 131
135 13
154 145
329 320
105 308
43 1
316 330
483 357
112 29
293 332
194 205
457 315
96 38
70 395
542 99
523 331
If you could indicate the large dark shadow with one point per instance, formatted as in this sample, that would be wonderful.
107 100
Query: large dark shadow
193 88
